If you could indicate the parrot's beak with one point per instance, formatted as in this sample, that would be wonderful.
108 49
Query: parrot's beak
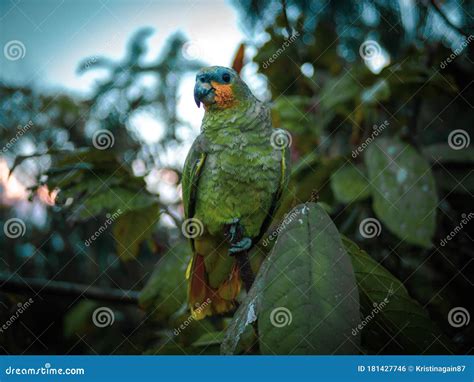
203 92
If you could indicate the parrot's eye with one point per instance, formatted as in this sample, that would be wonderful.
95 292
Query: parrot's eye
226 77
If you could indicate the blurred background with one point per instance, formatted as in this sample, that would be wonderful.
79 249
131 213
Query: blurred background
97 115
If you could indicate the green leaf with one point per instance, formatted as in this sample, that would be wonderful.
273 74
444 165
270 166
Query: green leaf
392 322
97 181
165 291
403 190
78 319
349 184
305 296
132 228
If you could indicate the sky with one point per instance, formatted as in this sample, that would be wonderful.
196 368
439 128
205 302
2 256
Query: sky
57 34
48 38
53 36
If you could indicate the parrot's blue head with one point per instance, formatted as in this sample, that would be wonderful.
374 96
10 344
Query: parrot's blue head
219 87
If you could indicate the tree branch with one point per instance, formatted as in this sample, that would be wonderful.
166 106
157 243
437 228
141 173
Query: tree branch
61 288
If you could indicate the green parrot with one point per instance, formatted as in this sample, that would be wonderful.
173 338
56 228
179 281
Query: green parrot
233 179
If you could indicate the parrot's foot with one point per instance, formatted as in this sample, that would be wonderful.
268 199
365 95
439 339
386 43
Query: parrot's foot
234 230
235 234
240 246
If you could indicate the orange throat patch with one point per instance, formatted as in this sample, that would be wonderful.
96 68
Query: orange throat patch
224 95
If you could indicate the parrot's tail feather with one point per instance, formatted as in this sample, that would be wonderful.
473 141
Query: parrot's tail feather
204 300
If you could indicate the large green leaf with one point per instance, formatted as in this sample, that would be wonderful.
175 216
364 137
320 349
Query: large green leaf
392 322
305 297
165 291
403 190
132 228
349 184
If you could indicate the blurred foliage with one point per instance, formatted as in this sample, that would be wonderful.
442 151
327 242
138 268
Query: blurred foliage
344 113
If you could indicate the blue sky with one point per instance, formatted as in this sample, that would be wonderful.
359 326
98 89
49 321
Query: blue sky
57 34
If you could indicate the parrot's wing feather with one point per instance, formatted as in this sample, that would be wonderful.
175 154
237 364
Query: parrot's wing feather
284 178
192 171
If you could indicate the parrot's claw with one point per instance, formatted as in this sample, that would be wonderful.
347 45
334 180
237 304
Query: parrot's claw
235 235
241 246
234 230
